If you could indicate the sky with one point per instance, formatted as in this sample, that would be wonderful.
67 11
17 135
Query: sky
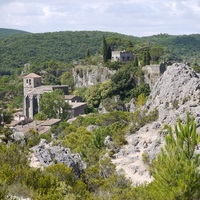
130 17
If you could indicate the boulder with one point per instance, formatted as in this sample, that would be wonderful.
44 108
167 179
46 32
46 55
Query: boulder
48 154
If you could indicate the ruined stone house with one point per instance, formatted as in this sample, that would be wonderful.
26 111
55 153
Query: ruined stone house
33 90
153 72
122 56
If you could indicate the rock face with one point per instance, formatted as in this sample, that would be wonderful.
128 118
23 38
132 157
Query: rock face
90 75
176 92
142 148
47 154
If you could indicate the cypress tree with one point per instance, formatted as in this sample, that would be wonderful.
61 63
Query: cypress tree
144 60
104 50
109 53
136 61
148 58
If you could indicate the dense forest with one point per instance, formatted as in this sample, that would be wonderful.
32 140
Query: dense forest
67 46
54 56
4 32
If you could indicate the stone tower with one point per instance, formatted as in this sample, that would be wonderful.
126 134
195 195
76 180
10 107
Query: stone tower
31 81
31 101
33 91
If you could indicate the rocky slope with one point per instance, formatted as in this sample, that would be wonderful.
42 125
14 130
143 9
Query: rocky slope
90 75
175 93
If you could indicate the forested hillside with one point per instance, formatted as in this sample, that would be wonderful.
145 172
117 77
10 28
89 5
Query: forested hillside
121 110
183 47
4 32
67 46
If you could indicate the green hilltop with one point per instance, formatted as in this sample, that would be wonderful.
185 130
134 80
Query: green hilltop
5 32
67 46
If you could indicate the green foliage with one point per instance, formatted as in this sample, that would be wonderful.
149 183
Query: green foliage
141 100
67 79
145 158
87 54
156 52
140 89
140 118
4 32
175 170
109 53
113 65
104 50
63 173
53 105
40 116
113 104
78 140
11 95
68 46
123 81
6 134
97 92
146 57
58 181
121 43
81 92
196 68
105 183
13 160
32 137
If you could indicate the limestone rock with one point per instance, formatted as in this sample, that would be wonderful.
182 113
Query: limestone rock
131 106
90 75
48 154
108 140
176 93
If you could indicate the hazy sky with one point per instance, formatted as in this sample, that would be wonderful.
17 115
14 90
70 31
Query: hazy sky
131 17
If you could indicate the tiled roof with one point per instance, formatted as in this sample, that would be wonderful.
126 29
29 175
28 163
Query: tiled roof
45 88
77 104
68 97
32 75
41 89
50 122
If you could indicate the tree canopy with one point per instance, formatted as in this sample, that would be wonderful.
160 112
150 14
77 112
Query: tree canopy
175 171
53 105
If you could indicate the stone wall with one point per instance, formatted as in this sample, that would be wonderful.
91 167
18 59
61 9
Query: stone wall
122 56
153 72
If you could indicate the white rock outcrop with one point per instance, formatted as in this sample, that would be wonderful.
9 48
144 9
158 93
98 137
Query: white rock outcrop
175 93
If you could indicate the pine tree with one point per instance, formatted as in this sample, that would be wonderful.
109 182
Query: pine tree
175 170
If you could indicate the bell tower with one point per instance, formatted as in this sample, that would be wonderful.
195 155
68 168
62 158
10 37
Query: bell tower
31 81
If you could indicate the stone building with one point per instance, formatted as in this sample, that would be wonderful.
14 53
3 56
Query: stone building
77 106
122 56
33 90
153 72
